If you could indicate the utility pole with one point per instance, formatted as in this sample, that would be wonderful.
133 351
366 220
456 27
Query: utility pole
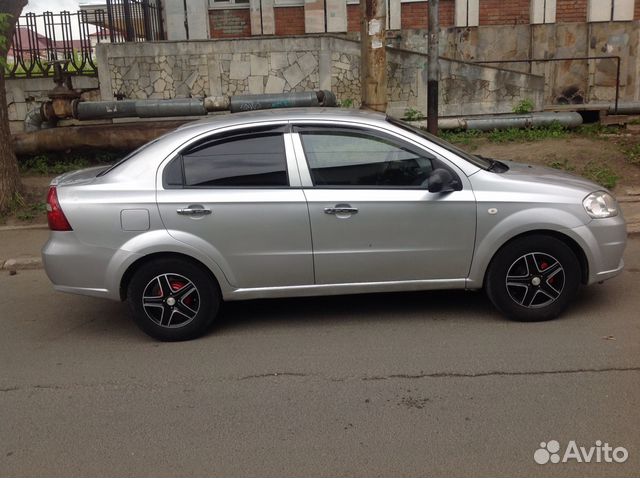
433 69
373 59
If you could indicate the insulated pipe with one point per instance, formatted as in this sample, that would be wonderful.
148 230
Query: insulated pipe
90 110
626 108
283 100
488 123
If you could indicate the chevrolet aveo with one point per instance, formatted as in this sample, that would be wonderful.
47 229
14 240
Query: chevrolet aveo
286 203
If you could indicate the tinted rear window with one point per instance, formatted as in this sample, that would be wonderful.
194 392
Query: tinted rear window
248 160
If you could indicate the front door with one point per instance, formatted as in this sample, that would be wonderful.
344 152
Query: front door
372 217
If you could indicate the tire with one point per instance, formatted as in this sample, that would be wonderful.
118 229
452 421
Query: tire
185 311
533 278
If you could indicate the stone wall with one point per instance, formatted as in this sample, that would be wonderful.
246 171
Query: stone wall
165 70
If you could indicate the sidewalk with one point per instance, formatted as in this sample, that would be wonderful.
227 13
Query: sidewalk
20 246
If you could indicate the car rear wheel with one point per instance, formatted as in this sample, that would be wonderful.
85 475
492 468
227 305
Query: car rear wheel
173 299
533 278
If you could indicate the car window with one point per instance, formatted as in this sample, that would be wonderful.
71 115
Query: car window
240 160
357 158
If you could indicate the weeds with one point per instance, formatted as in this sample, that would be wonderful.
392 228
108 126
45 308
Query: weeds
601 173
412 114
595 129
42 164
554 131
563 165
458 136
524 106
632 153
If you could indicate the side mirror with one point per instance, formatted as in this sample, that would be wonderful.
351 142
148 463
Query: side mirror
441 181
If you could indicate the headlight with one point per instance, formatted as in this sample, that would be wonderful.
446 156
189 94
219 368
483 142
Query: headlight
600 205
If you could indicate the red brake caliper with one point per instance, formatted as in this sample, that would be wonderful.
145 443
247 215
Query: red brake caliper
177 285
543 266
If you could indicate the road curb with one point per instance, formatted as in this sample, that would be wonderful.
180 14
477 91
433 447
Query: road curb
21 263
24 228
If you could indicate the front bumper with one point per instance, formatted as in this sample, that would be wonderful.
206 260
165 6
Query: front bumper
603 241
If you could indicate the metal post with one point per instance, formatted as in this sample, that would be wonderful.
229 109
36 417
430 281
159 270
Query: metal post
433 68
146 15
112 26
128 21
160 35
373 61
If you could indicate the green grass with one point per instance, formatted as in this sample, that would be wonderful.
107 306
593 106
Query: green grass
601 173
458 136
564 165
553 131
632 153
58 163
593 130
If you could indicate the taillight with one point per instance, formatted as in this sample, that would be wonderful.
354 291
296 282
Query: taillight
55 216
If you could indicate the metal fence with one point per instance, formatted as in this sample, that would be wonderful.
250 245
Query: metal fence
71 38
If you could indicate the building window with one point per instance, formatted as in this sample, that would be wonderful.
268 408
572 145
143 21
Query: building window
228 3
610 10
467 13
543 11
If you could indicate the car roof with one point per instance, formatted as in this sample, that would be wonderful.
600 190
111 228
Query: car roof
284 114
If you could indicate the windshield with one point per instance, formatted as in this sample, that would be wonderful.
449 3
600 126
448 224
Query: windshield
477 161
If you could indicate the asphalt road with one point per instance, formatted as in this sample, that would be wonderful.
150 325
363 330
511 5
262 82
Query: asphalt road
395 385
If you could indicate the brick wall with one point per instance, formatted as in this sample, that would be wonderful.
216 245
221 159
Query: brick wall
569 11
504 12
414 15
353 18
289 20
229 23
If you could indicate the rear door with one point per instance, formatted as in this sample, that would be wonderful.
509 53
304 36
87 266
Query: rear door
372 217
239 193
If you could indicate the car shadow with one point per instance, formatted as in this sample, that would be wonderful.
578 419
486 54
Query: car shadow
408 306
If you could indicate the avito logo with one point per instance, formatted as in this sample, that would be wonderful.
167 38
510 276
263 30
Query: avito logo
549 452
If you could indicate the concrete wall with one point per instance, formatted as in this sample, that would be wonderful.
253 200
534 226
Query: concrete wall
165 70
25 94
573 81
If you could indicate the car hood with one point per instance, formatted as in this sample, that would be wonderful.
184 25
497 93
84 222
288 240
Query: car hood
548 176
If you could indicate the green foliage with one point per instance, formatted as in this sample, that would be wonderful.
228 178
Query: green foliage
564 165
48 164
524 106
31 211
554 131
601 173
346 103
4 41
412 114
632 153
593 130
459 136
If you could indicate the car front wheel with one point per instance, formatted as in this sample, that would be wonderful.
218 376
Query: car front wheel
173 299
533 278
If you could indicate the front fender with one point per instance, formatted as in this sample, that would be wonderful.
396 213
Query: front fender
495 231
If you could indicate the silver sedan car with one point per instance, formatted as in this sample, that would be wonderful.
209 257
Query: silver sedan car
288 203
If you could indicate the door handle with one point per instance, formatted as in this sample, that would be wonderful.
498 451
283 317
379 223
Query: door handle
341 209
194 210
